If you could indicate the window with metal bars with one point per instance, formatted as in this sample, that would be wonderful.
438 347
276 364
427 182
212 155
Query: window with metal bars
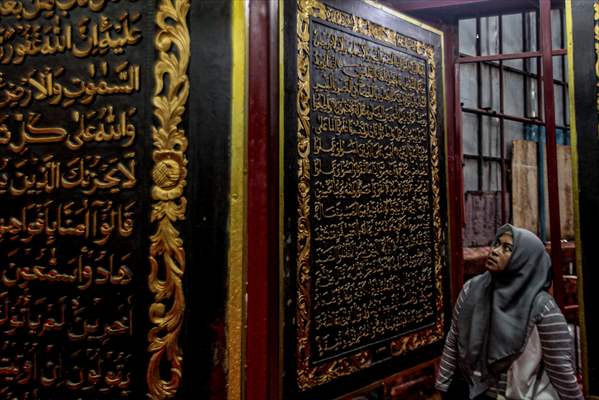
502 106
503 136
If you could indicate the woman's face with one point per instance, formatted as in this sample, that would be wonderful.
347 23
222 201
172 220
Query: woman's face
501 251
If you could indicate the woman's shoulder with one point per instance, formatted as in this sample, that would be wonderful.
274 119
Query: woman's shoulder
474 282
465 289
544 304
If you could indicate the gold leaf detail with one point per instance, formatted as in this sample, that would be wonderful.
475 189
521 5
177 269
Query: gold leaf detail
166 174
167 256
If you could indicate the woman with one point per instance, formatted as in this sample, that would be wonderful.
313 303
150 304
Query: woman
508 338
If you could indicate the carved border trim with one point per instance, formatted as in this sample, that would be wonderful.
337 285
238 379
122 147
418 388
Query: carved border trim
309 376
167 256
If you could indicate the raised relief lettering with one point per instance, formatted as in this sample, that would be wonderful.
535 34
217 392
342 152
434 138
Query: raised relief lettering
70 126
372 210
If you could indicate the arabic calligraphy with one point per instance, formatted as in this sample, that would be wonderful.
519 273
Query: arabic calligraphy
34 9
97 220
44 85
89 173
45 366
71 110
81 39
373 243
93 126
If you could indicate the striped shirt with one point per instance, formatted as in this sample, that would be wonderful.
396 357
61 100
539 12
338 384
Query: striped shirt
556 344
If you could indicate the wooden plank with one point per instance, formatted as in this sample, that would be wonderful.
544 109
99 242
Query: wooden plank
525 204
566 207
564 163
484 213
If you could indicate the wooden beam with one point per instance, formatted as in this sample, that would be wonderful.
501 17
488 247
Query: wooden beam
509 56
420 5
448 11
551 148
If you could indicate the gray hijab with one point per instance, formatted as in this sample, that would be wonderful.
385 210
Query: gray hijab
492 325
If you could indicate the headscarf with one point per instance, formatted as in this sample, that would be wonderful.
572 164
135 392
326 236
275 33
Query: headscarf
493 323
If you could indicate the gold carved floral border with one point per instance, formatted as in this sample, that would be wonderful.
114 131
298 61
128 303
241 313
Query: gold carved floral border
309 376
167 256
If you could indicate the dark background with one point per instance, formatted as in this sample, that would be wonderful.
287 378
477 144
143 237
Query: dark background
206 235
585 90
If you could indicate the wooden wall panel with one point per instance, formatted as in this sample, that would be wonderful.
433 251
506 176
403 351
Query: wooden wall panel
566 206
525 197
525 188
365 206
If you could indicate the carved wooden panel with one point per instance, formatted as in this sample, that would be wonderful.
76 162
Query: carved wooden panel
92 172
364 202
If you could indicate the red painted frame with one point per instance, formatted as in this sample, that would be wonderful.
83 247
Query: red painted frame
262 343
552 183
262 346
455 176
